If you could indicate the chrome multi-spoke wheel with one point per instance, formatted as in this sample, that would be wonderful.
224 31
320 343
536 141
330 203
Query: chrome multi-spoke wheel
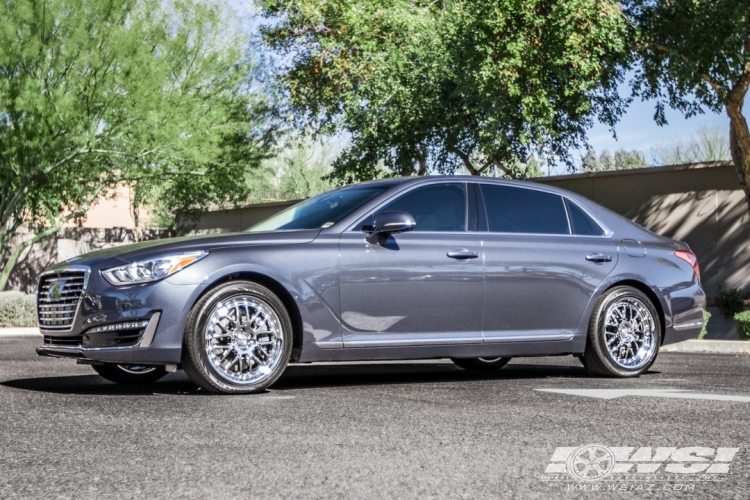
624 334
629 332
242 339
238 339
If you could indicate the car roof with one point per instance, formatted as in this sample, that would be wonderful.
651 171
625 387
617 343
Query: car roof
428 179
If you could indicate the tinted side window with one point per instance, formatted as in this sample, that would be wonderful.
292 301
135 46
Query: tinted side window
442 207
518 210
581 223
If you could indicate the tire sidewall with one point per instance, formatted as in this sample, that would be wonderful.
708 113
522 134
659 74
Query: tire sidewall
480 365
114 373
597 341
194 350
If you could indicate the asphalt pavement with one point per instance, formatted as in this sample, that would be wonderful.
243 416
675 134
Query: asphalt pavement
422 429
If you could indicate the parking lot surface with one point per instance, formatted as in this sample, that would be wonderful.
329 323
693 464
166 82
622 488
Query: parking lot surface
377 430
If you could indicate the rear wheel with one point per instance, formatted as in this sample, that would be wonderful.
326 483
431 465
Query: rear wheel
238 339
481 364
624 334
130 374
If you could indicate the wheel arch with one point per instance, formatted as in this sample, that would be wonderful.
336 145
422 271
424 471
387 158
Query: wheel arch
649 292
279 290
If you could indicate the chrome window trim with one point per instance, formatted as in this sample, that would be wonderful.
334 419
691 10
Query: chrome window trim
354 227
567 215
602 226
608 233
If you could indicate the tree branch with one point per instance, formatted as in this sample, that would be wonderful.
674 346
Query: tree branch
467 161
8 265
704 76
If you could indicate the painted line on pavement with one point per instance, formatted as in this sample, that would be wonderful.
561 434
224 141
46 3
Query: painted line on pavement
651 393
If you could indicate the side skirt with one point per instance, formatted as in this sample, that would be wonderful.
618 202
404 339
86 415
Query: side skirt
575 345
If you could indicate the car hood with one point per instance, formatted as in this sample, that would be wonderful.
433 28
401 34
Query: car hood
147 249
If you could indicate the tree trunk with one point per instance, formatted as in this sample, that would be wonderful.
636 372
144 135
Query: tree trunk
739 145
8 266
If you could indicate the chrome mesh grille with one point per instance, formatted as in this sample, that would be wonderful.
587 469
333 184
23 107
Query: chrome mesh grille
57 298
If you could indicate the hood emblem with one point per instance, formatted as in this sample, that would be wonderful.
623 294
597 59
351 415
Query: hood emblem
56 289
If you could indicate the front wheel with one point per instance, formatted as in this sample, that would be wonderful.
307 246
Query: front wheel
238 339
624 334
130 374
481 364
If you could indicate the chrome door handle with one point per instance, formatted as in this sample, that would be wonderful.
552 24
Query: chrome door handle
462 253
598 257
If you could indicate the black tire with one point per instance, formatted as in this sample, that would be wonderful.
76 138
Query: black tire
481 364
583 361
195 358
130 374
597 358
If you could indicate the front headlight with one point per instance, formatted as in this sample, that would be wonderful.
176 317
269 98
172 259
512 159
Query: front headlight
152 269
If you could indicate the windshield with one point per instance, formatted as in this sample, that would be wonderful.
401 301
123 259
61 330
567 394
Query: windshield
321 211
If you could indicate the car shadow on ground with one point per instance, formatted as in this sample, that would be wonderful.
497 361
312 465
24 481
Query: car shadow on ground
308 377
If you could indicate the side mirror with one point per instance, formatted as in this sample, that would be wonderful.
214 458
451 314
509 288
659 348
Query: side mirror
393 222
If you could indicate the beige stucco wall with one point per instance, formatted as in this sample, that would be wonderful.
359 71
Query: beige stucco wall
111 210
238 219
700 204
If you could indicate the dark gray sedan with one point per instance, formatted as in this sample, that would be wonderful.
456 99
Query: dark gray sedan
475 269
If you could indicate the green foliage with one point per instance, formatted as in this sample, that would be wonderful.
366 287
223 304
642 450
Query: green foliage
695 56
742 322
704 330
706 145
729 301
301 167
692 53
434 86
99 92
17 310
623 160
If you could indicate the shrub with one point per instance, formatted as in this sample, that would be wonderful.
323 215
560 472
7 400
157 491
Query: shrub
742 322
706 317
17 310
729 301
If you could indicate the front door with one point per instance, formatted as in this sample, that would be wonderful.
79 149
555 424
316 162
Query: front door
544 258
422 287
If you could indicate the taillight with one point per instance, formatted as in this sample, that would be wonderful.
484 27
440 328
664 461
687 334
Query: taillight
690 258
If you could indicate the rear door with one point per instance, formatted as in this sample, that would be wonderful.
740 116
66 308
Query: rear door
544 258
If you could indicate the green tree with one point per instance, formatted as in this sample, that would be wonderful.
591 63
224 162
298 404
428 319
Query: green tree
706 145
622 160
301 167
437 86
606 160
590 162
695 56
626 160
179 199
98 92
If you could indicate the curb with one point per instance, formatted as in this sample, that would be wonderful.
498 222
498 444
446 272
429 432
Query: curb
710 346
19 332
